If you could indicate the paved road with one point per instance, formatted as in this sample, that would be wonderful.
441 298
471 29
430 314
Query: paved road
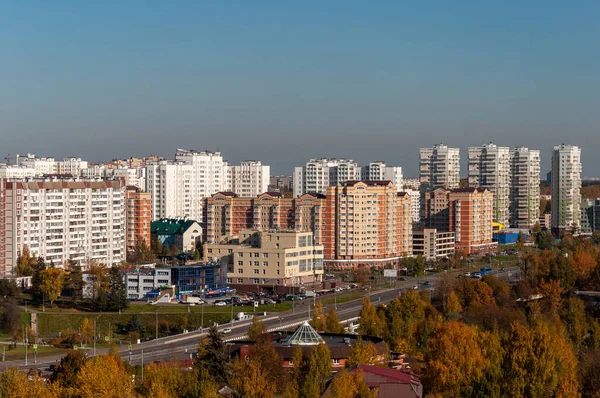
184 345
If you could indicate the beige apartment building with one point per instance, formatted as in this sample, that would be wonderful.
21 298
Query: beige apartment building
278 260
468 212
366 222
226 214
433 244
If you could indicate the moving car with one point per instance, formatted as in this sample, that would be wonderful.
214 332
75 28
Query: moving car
226 330
220 303
415 287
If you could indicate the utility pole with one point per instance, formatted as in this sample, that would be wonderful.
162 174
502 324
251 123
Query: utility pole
202 319
156 326
94 337
142 365
25 342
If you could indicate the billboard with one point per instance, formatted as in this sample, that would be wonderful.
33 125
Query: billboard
390 273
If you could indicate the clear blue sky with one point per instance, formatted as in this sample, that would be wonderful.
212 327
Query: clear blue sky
284 81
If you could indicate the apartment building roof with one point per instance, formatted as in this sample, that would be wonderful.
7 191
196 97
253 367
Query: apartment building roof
171 226
36 185
383 183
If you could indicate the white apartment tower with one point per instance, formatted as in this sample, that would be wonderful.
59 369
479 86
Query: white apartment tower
439 167
525 187
170 184
566 187
62 219
249 179
318 174
379 171
490 167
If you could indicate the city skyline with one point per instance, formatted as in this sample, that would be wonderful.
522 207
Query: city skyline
284 83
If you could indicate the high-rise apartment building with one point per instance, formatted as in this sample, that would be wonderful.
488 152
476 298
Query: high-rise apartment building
366 222
490 168
566 187
179 187
249 179
525 187
138 217
468 212
439 167
170 184
379 171
47 166
60 219
226 214
318 174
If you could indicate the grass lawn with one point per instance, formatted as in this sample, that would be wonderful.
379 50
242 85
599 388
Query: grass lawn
343 297
18 353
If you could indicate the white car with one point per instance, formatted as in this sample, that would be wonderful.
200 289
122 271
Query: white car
221 304
415 287
226 331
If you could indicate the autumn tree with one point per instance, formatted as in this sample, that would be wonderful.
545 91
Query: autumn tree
269 361
362 353
348 384
455 360
15 383
295 375
332 322
248 380
474 293
319 371
100 280
318 319
256 329
539 362
67 371
369 323
360 274
104 376
168 380
52 283
25 262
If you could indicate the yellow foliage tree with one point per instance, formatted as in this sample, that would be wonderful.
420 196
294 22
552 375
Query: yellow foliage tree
104 376
249 381
318 321
350 385
362 354
52 283
17 384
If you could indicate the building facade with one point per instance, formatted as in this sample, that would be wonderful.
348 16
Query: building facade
525 187
490 168
204 278
439 167
138 217
468 212
318 174
178 234
566 188
227 214
366 222
271 260
380 171
170 185
140 282
62 219
433 244
249 179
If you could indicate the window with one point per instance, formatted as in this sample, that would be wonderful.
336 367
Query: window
266 255
209 251
336 361
240 254
256 281
256 271
229 280
264 271
265 263
257 263
256 254
240 270
240 280
240 263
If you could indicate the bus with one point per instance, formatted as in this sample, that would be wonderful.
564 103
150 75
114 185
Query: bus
485 270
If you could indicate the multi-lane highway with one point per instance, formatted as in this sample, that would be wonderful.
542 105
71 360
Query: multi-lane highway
184 345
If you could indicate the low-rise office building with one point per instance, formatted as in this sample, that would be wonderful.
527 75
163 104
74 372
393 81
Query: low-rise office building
433 244
203 278
269 260
140 282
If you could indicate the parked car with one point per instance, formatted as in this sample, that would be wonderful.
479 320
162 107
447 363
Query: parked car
426 283
415 287
403 279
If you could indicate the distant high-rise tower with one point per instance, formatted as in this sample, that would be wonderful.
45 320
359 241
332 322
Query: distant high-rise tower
489 167
525 187
566 187
318 174
439 167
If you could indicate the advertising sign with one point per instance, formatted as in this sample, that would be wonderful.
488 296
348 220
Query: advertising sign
390 273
